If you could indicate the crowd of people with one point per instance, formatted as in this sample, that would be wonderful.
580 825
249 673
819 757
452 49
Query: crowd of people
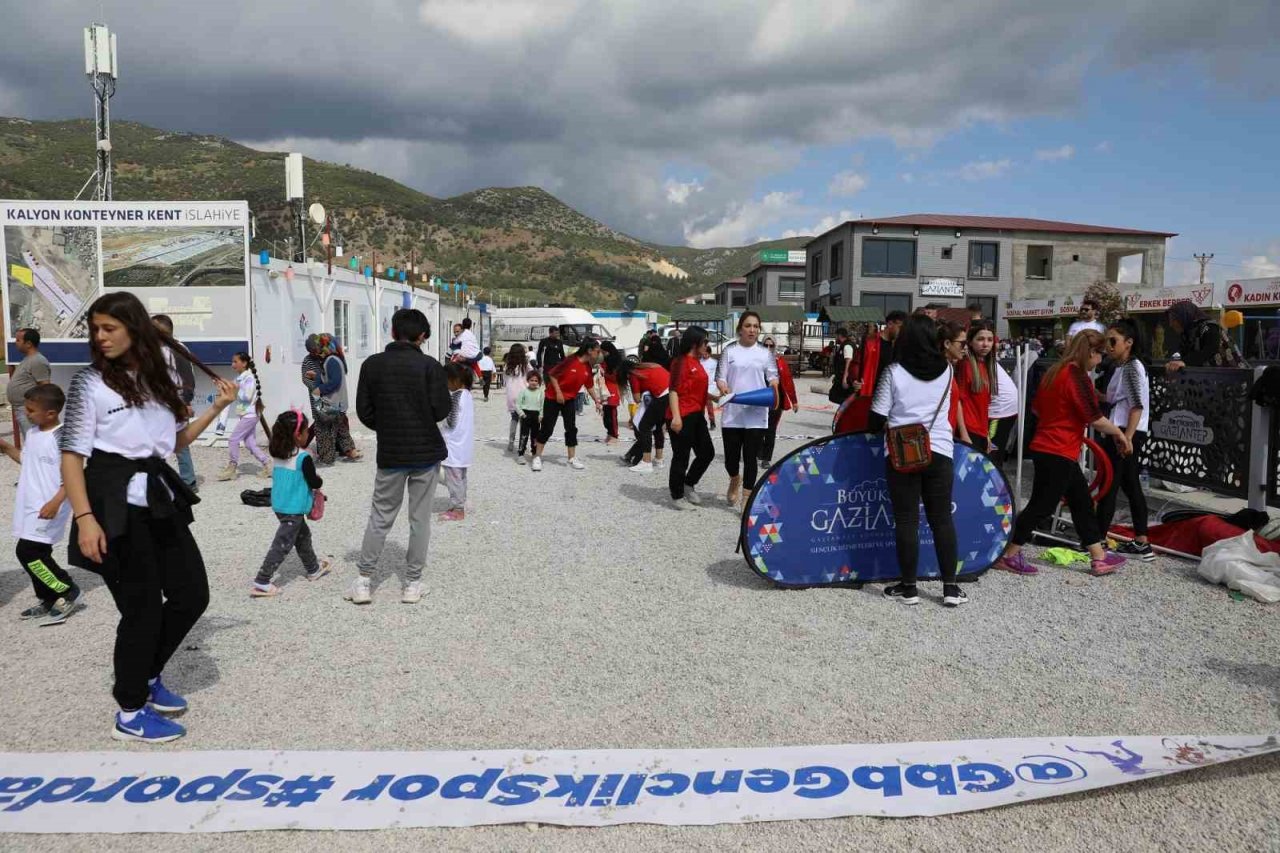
94 457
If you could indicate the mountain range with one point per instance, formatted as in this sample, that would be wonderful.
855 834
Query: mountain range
519 242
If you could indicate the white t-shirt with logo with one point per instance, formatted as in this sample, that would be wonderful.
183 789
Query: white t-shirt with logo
38 482
746 369
1127 390
97 418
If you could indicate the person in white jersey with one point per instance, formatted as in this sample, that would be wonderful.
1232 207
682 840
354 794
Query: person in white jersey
1087 319
745 365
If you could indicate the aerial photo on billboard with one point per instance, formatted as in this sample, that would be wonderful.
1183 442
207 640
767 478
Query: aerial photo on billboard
211 256
52 274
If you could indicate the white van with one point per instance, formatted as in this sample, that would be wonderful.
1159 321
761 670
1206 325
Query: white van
528 326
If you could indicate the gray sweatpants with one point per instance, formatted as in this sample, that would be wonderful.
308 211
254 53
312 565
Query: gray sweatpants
389 487
456 480
292 533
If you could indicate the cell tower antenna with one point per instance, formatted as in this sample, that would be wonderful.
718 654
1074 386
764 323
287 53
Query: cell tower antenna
102 69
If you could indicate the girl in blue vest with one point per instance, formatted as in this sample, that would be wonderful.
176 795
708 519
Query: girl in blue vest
293 484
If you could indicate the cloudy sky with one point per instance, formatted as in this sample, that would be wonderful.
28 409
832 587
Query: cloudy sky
719 123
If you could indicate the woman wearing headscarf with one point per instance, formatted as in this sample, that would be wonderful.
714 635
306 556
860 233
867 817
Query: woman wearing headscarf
1202 342
324 372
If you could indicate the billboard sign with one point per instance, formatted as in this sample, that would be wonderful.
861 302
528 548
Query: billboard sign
822 515
185 259
1162 298
1253 291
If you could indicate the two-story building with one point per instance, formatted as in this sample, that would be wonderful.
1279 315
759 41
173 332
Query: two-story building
776 284
732 293
905 262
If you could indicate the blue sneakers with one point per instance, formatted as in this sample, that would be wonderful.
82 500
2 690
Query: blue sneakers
164 699
147 727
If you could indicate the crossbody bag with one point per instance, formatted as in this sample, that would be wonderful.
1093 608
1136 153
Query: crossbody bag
909 448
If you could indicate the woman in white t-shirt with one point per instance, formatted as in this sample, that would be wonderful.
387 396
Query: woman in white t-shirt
1129 393
916 389
1004 413
745 365
130 511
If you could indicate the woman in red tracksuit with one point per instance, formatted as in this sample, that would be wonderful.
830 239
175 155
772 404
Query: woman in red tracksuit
1065 404
564 381
686 412
787 401
655 380
975 378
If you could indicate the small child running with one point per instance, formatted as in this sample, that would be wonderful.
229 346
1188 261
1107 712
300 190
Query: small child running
293 484
246 411
529 404
459 437
40 510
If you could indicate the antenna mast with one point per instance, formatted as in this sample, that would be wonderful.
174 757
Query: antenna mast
101 67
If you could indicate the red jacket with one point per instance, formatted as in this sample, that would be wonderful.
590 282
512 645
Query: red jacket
786 385
1063 409
573 375
656 380
975 405
689 381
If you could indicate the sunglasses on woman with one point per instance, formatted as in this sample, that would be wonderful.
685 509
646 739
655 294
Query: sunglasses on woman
769 345
1114 341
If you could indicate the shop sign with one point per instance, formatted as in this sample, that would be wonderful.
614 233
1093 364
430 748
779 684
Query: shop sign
1253 291
941 286
1162 298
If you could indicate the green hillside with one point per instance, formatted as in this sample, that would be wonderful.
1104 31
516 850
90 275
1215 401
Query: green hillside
520 242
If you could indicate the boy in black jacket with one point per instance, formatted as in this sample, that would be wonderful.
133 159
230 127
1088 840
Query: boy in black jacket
402 396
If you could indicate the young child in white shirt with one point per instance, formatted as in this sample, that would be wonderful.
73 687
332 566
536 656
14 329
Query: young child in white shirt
459 438
41 511
487 368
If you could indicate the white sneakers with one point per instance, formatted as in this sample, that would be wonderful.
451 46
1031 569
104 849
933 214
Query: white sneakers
521 461
537 464
692 496
642 467
576 464
682 503
412 592
360 592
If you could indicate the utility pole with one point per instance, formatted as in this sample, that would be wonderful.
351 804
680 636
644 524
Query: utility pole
1204 262
101 69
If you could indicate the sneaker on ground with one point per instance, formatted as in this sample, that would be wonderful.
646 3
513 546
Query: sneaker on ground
264 590
412 592
1107 565
511 447
62 609
452 515
643 467
682 503
1140 550
536 465
165 700
265 473
1017 564
658 464
147 727
953 596
902 592
576 464
35 612
692 496
228 473
520 460
360 591
326 566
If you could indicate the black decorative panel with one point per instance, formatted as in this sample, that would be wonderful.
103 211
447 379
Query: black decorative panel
1200 428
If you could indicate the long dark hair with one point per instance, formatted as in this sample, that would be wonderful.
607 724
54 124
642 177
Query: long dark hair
516 361
977 382
288 424
690 340
257 381
144 375
916 348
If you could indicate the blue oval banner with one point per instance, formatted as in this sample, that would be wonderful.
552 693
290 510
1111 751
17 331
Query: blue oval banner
822 515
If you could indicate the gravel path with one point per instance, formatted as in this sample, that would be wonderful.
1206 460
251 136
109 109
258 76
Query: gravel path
646 629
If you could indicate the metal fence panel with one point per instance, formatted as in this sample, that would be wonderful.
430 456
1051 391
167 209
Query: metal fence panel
1201 428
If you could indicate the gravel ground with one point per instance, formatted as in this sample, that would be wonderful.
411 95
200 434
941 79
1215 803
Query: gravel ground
646 630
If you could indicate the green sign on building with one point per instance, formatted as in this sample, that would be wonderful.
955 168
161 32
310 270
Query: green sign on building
771 256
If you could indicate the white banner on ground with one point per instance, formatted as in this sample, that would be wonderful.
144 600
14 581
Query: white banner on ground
233 791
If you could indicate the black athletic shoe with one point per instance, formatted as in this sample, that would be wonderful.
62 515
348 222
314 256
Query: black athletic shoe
953 596
1136 550
905 594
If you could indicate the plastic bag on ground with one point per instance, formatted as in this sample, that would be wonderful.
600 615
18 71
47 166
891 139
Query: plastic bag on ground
1239 564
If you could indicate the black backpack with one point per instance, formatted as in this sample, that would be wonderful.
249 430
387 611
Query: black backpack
262 497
